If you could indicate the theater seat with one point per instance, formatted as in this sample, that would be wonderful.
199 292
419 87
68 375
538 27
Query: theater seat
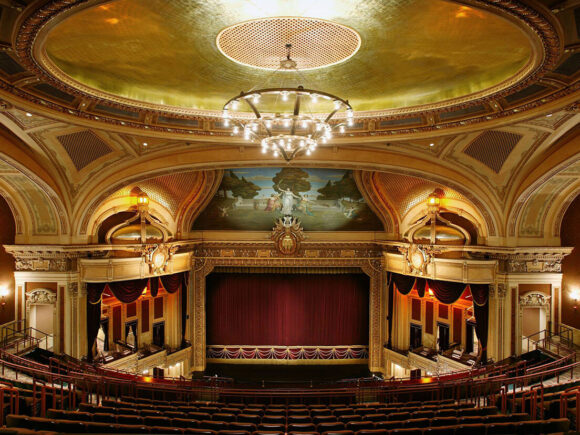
13 420
301 427
470 429
164 429
213 425
130 419
297 419
265 432
359 425
339 432
504 428
249 427
439 430
345 418
249 418
443 421
399 416
375 417
407 431
372 432
95 427
557 425
67 426
198 431
101 417
274 419
331 426
267 427
388 425
131 428
324 419
184 423
417 422
233 432
156 421
219 416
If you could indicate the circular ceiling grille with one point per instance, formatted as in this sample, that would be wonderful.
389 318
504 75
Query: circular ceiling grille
262 43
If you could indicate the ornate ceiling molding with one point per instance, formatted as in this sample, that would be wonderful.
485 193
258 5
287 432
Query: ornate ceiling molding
537 20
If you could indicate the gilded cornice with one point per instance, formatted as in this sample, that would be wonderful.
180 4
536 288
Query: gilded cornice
537 20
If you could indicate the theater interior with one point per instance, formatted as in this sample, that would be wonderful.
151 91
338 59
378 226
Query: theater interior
340 217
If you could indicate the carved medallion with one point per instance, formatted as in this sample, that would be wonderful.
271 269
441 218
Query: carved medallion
287 235
158 256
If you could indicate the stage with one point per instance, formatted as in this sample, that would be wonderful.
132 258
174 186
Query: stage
272 375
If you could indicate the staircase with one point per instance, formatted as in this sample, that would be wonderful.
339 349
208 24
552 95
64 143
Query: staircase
17 338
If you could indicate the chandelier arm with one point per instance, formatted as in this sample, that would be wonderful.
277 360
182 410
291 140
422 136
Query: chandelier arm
330 115
296 113
254 109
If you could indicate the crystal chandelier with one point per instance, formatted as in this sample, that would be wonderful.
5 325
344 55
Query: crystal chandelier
287 121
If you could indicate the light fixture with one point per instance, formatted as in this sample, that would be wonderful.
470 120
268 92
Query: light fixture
3 294
286 122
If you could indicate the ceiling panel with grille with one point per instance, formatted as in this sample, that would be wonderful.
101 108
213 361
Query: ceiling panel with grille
492 148
84 147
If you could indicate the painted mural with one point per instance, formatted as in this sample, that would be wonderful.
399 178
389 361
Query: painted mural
253 199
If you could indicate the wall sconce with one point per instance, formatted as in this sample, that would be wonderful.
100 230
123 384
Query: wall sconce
434 200
575 295
3 293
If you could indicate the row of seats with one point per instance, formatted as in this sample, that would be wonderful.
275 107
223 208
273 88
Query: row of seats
199 403
68 426
403 421
386 414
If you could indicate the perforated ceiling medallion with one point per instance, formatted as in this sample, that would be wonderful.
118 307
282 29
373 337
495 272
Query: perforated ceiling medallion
316 43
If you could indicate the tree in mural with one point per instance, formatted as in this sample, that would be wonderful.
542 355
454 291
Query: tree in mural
238 186
344 188
295 179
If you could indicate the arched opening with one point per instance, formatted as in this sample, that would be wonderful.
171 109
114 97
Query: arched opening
570 236
7 267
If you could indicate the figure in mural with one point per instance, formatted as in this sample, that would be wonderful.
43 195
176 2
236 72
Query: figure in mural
273 203
288 201
304 206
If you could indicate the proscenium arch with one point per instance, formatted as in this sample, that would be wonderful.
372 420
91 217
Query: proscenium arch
222 156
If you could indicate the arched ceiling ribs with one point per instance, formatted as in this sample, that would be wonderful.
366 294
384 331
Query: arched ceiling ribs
171 190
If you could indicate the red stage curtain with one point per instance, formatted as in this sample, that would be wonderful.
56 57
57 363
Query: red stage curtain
446 291
404 283
128 291
94 292
287 310
480 293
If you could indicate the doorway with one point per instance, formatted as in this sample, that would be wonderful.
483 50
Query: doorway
159 334
415 340
42 321
471 343
442 336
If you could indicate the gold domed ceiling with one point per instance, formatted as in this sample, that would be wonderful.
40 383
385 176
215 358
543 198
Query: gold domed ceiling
427 53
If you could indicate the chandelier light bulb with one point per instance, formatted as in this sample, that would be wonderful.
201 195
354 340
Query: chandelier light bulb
225 114
235 104
254 127
337 104
341 128
308 152
349 113
268 124
284 96
286 122
304 124
256 98
226 122
236 129
350 122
